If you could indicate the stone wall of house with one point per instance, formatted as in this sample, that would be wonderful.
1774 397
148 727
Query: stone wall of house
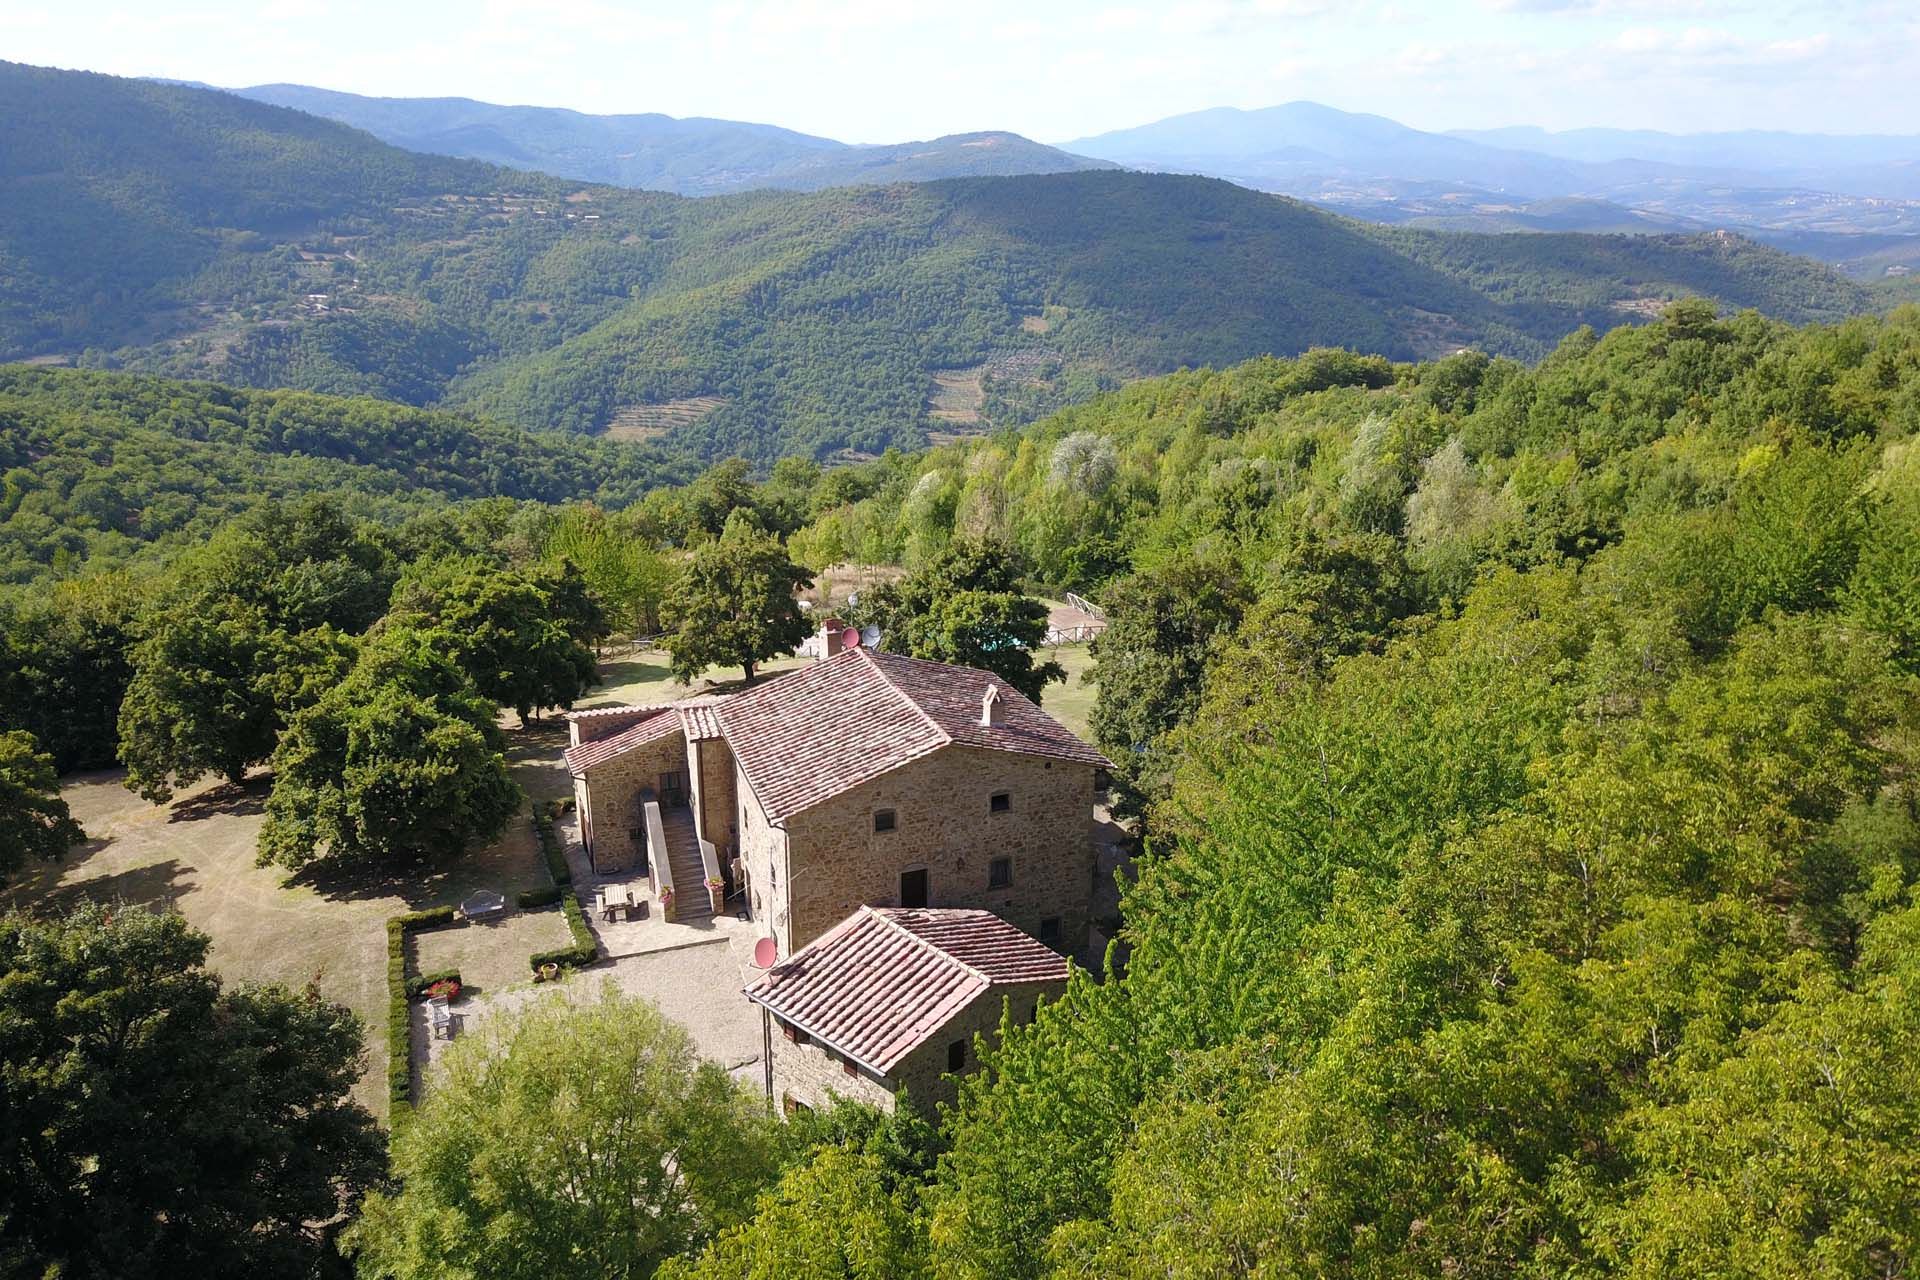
943 821
612 799
812 1074
712 769
763 852
923 1073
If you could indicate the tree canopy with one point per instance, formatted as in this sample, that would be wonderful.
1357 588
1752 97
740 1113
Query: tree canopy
734 604
966 606
34 820
155 1123
568 1139
401 760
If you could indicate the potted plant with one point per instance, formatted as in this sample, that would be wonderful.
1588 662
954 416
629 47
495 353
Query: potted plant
447 989
666 902
549 971
717 894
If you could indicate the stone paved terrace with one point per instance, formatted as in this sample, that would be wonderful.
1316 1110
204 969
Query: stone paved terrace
694 970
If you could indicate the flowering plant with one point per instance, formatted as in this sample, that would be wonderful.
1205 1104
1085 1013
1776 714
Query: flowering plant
446 988
715 882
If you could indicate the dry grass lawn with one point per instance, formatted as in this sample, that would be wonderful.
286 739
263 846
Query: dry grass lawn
195 855
1071 703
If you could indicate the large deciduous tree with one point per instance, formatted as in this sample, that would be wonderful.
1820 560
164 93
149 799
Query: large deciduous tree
1163 629
735 603
155 1124
520 634
34 821
400 760
253 625
569 1140
966 606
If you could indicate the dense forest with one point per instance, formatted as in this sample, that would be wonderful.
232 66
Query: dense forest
102 470
194 233
1526 762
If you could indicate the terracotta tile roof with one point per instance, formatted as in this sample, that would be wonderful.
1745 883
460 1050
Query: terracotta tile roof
589 754
700 720
815 732
619 709
885 980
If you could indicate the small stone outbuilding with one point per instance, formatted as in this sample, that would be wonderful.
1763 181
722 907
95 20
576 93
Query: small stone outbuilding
887 1003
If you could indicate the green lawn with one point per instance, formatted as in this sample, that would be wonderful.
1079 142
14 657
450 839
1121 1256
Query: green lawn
1071 703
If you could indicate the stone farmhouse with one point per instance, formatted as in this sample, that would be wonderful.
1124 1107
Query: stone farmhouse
866 779
887 1003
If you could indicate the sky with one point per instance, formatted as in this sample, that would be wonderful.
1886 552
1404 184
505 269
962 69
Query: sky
892 70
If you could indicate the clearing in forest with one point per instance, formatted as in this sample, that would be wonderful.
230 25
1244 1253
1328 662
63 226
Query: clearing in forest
652 421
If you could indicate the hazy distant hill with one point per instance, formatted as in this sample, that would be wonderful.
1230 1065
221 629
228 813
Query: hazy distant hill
695 157
1760 151
192 232
1811 188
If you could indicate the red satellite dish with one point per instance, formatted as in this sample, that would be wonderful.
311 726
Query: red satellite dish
850 638
765 952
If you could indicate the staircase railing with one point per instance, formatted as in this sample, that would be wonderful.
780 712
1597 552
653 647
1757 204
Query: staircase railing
659 861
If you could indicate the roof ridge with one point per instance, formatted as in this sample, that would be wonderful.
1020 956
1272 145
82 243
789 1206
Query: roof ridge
915 938
946 739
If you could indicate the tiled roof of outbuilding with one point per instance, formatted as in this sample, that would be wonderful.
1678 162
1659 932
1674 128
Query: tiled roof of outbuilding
588 754
885 980
815 732
694 716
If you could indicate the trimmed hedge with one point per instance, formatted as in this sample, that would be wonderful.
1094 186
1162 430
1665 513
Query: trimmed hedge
399 1026
550 844
582 953
533 899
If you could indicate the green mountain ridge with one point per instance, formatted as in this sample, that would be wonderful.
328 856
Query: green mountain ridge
203 235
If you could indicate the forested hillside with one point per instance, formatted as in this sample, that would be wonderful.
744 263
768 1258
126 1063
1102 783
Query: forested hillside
199 234
1526 758
100 469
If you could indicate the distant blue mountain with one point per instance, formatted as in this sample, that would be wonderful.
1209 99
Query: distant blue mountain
1812 192
692 156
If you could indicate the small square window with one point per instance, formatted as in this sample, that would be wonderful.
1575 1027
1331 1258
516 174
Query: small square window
957 1056
1002 802
883 820
1050 931
999 873
793 1106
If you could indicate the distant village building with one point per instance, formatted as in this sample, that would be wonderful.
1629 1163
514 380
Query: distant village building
888 1001
865 779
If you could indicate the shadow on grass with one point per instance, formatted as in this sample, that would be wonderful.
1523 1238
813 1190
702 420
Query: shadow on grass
418 884
228 799
619 671
158 885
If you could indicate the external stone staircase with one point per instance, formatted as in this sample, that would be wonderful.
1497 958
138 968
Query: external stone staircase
683 856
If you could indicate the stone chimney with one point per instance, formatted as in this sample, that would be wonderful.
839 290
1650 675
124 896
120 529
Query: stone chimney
992 710
831 632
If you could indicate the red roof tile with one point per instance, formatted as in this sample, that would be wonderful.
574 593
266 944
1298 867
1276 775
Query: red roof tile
700 720
885 980
589 754
815 732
